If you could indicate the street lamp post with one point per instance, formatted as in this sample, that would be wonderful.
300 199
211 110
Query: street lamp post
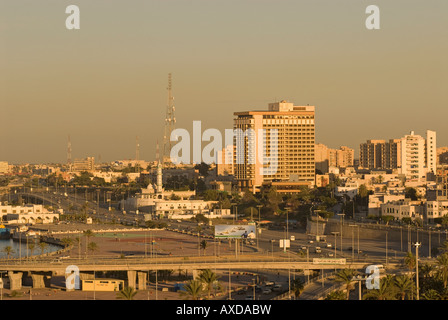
342 218
353 246
335 242
417 244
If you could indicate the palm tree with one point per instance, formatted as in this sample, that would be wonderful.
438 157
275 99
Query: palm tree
404 284
410 261
444 246
297 287
203 245
426 270
336 295
442 262
42 247
31 247
209 278
66 241
88 233
346 276
193 289
386 291
8 250
127 293
78 242
431 294
92 246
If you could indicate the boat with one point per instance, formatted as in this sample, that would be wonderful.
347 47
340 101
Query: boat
24 234
5 233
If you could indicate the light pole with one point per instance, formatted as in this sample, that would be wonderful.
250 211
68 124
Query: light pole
354 226
233 204
335 242
359 279
342 218
417 244
259 219
387 232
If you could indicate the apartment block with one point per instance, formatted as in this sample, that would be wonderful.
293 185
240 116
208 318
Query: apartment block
338 158
87 164
413 155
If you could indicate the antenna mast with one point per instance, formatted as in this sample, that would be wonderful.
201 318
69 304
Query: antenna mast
170 121
69 153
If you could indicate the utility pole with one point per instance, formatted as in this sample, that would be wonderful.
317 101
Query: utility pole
417 244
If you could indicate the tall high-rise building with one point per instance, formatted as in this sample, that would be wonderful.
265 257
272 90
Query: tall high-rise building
413 155
287 134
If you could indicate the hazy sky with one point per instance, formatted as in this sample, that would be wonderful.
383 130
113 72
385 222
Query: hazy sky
106 83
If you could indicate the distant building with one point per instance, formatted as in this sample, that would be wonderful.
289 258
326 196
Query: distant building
224 161
327 158
4 167
87 164
442 155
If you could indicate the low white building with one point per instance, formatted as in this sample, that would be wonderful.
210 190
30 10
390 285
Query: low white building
27 214
377 199
403 209
436 209
349 189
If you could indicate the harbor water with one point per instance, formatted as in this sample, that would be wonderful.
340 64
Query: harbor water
20 249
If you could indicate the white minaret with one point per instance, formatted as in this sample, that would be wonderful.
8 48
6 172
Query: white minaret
159 178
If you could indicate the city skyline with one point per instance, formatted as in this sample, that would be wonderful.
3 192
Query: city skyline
106 83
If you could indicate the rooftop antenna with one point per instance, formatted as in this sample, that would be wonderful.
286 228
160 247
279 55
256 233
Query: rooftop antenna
137 153
69 152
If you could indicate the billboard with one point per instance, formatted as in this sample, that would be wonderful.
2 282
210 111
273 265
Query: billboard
328 261
235 231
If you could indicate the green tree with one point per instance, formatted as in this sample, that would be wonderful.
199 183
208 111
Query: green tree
442 262
346 276
127 293
336 295
8 250
297 287
88 234
431 294
31 247
405 286
42 246
203 245
92 247
410 261
386 291
209 279
193 289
